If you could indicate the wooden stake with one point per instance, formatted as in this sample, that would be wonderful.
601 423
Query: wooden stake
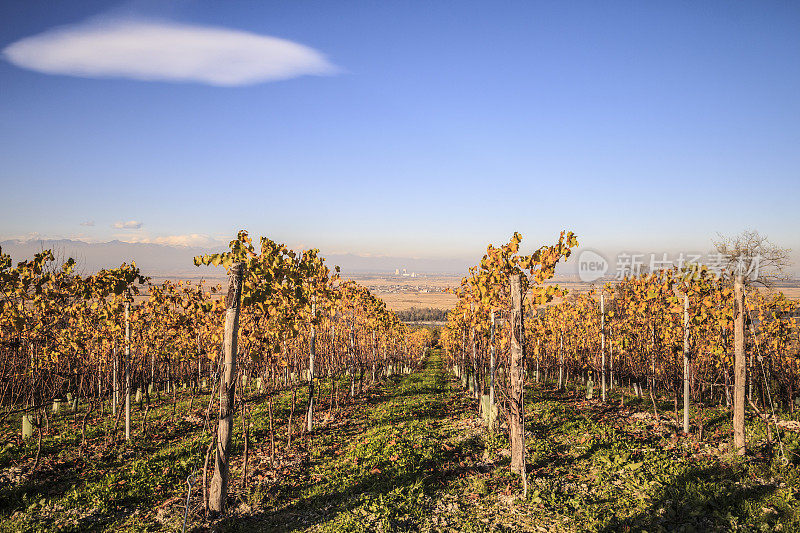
227 388
739 368
491 366
516 373
311 355
127 372
560 361
686 364
603 346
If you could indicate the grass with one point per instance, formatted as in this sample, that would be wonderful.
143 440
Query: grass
593 468
408 455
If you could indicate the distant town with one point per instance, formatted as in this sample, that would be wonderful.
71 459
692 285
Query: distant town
400 282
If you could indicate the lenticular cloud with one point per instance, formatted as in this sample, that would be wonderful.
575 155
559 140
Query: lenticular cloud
168 52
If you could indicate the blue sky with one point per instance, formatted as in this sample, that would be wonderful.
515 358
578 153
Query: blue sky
430 128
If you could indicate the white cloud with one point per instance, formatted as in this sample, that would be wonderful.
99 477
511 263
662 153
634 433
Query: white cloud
166 51
88 223
131 224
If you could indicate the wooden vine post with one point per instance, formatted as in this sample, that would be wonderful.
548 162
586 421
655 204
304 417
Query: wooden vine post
464 352
686 364
560 361
311 356
219 483
610 364
115 381
516 373
475 392
491 366
603 346
127 371
739 369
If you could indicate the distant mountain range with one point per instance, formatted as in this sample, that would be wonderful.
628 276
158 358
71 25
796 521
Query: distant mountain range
161 260
164 260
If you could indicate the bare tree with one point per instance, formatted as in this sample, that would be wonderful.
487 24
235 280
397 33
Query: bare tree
754 257
749 259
